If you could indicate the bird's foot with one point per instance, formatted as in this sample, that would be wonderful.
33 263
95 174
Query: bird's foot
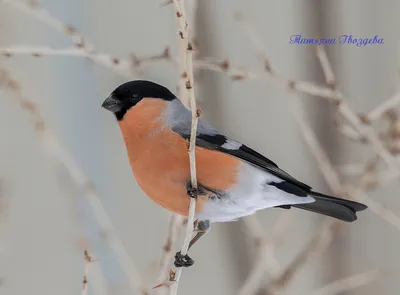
203 225
194 192
183 260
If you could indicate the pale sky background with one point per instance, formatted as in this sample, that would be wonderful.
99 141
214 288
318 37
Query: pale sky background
40 225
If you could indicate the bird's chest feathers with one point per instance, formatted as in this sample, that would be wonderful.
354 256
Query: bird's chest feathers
161 156
160 162
156 154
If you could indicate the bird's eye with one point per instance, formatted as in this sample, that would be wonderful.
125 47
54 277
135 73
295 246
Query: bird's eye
135 97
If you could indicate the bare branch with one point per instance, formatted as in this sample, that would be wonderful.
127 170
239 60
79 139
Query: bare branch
88 260
175 225
265 259
360 124
332 178
347 284
54 149
322 158
319 244
187 65
384 107
252 283
333 96
32 9
326 66
121 66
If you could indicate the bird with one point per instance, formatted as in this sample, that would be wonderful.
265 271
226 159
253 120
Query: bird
234 180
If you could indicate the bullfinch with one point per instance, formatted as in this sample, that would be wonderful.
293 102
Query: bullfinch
233 179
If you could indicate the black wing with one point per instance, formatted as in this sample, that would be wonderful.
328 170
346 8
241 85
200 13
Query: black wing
243 152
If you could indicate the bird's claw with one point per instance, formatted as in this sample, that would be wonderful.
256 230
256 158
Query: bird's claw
193 192
183 260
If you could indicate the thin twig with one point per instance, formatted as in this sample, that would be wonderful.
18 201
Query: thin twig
333 180
382 211
256 40
187 62
333 96
329 93
175 225
346 284
84 47
32 9
253 279
39 51
384 107
360 124
347 130
87 261
121 66
57 152
319 153
265 259
318 244
224 66
356 191
332 177
326 66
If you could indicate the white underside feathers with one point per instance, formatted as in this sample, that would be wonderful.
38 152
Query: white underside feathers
250 194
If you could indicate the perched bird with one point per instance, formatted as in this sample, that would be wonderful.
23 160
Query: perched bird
233 179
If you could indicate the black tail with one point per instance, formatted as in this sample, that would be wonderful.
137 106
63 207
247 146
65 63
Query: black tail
335 207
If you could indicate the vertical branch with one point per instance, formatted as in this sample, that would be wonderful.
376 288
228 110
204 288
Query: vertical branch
88 260
175 225
187 74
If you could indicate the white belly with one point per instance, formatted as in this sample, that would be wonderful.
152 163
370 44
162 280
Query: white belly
250 194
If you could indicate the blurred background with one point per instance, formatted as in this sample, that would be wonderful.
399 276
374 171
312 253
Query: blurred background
60 59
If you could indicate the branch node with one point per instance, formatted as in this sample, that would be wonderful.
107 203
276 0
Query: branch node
237 77
291 84
70 30
258 241
171 275
135 60
267 66
364 119
224 65
166 54
80 44
331 84
336 101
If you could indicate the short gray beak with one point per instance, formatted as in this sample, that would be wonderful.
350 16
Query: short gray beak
112 104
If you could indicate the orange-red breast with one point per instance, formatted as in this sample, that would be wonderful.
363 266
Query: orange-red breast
234 180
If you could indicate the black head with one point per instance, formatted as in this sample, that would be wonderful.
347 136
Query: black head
130 93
